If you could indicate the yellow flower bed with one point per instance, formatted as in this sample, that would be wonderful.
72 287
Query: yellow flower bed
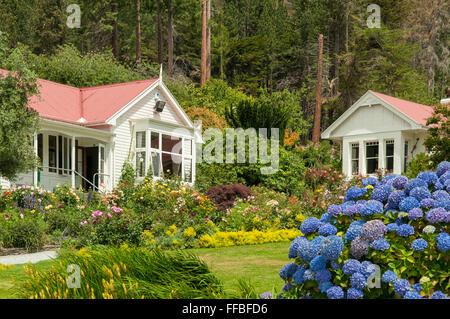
239 238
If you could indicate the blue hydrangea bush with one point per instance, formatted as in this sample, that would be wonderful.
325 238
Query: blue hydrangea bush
388 239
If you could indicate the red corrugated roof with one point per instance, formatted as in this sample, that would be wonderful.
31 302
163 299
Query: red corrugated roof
415 111
93 104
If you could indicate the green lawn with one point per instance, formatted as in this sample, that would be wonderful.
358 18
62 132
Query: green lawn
257 264
17 274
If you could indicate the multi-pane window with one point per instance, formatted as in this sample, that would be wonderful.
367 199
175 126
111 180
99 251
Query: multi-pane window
389 153
166 156
355 159
372 154
140 154
52 153
40 150
405 158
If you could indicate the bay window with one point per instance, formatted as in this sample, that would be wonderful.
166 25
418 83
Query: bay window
168 155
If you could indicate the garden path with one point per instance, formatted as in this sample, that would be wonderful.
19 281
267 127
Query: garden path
27 258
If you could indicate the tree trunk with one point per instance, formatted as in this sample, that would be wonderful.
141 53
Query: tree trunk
204 54
138 31
208 41
115 33
316 127
170 40
159 32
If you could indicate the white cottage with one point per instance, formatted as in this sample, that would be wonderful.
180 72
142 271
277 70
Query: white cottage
379 132
87 134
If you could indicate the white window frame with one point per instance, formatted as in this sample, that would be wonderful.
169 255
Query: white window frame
372 143
386 143
358 159
149 151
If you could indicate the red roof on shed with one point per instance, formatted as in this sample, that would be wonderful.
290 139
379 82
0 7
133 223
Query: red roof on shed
94 104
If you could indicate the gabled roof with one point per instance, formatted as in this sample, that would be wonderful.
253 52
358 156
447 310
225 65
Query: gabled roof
414 113
86 105
419 113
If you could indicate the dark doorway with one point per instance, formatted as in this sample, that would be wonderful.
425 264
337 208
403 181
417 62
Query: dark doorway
91 166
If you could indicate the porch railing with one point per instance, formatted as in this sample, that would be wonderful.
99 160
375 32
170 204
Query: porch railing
68 172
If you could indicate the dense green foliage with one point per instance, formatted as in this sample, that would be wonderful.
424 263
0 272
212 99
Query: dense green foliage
125 273
438 140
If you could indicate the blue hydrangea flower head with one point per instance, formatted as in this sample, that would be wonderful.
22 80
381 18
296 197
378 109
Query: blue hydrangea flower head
359 247
389 277
294 246
413 183
311 224
442 168
354 293
439 295
318 263
351 266
438 186
327 229
380 244
288 271
408 203
358 281
307 250
389 179
335 292
331 247
417 287
442 202
335 266
381 193
298 276
334 210
367 268
405 230
443 242
309 275
323 275
399 182
420 193
373 230
395 198
371 207
352 210
440 194
444 177
412 295
436 215
427 203
415 214
354 193
324 286
428 177
369 181
401 287
419 244
392 227
326 218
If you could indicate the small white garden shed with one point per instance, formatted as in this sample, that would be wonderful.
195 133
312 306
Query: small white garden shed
87 134
379 132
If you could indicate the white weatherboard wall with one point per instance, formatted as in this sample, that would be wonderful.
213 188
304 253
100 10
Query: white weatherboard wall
141 117
369 120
